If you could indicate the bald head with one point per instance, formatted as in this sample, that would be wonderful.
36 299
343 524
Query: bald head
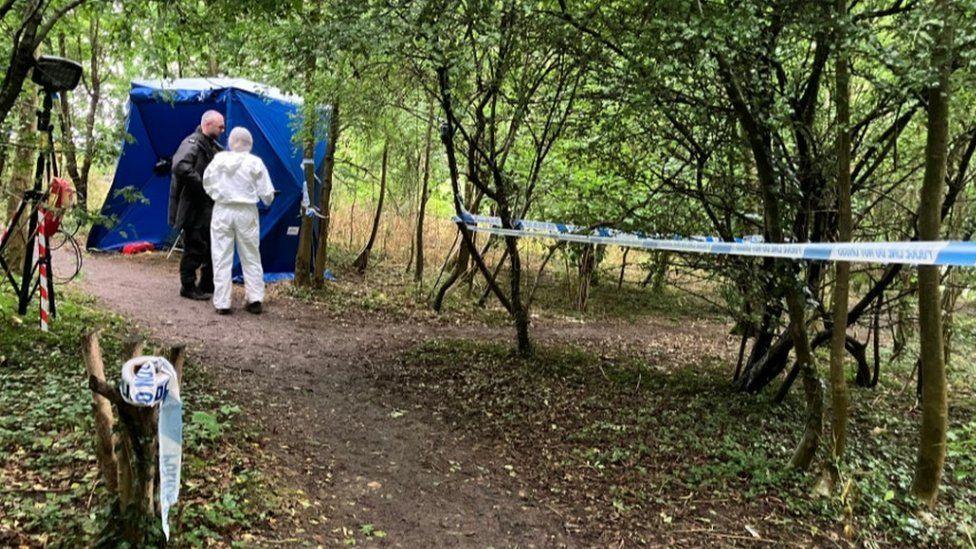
212 124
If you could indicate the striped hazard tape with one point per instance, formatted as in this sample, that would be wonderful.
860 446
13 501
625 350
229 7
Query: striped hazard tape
41 247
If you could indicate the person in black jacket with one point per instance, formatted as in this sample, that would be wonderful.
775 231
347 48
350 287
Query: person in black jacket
190 208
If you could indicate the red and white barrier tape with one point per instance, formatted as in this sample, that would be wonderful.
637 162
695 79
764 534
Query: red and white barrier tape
42 251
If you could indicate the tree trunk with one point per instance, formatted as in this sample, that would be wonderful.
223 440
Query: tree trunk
67 130
932 439
447 138
325 196
133 518
623 268
4 153
303 257
806 450
418 274
21 59
657 274
102 410
760 143
362 260
520 312
460 265
483 300
95 97
838 382
462 260
21 178
587 262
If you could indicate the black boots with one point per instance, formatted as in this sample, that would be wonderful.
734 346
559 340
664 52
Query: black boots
194 294
254 308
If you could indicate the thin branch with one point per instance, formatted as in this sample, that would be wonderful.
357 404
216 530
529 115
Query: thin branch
104 389
53 19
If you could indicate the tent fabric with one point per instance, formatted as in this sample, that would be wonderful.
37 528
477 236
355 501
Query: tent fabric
161 114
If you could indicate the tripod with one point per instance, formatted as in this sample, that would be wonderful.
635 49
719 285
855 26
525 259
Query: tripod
30 204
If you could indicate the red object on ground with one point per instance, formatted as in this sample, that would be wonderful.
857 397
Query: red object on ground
61 196
137 248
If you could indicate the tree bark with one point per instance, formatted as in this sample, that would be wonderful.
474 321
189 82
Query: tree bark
418 274
67 130
806 450
520 312
838 381
303 257
932 432
102 410
623 268
325 195
21 58
4 153
483 300
587 262
95 97
21 178
362 260
303 261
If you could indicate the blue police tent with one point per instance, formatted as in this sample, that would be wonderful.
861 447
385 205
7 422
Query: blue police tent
161 114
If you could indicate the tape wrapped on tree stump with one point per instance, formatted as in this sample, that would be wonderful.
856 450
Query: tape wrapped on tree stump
146 382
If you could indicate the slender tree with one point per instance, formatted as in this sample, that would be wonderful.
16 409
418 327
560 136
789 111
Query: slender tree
842 97
932 433
303 257
325 194
424 195
21 174
362 260
80 169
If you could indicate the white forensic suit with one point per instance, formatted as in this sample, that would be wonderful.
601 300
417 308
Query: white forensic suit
236 181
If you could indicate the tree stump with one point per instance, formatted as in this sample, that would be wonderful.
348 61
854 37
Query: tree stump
128 461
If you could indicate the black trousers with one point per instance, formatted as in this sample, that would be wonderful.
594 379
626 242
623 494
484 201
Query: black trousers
196 254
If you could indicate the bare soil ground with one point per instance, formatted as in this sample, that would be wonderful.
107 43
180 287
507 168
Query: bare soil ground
362 455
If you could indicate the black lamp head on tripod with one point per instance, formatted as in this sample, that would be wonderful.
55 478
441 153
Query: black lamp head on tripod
56 74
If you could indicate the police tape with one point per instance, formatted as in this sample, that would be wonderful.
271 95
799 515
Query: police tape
942 253
148 381
307 208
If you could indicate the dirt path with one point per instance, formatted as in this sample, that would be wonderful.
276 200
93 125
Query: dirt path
307 379
308 387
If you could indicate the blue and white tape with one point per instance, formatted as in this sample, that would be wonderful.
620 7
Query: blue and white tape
943 253
307 208
148 381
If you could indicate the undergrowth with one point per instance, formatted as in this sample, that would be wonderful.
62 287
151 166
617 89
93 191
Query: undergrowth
635 452
388 289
